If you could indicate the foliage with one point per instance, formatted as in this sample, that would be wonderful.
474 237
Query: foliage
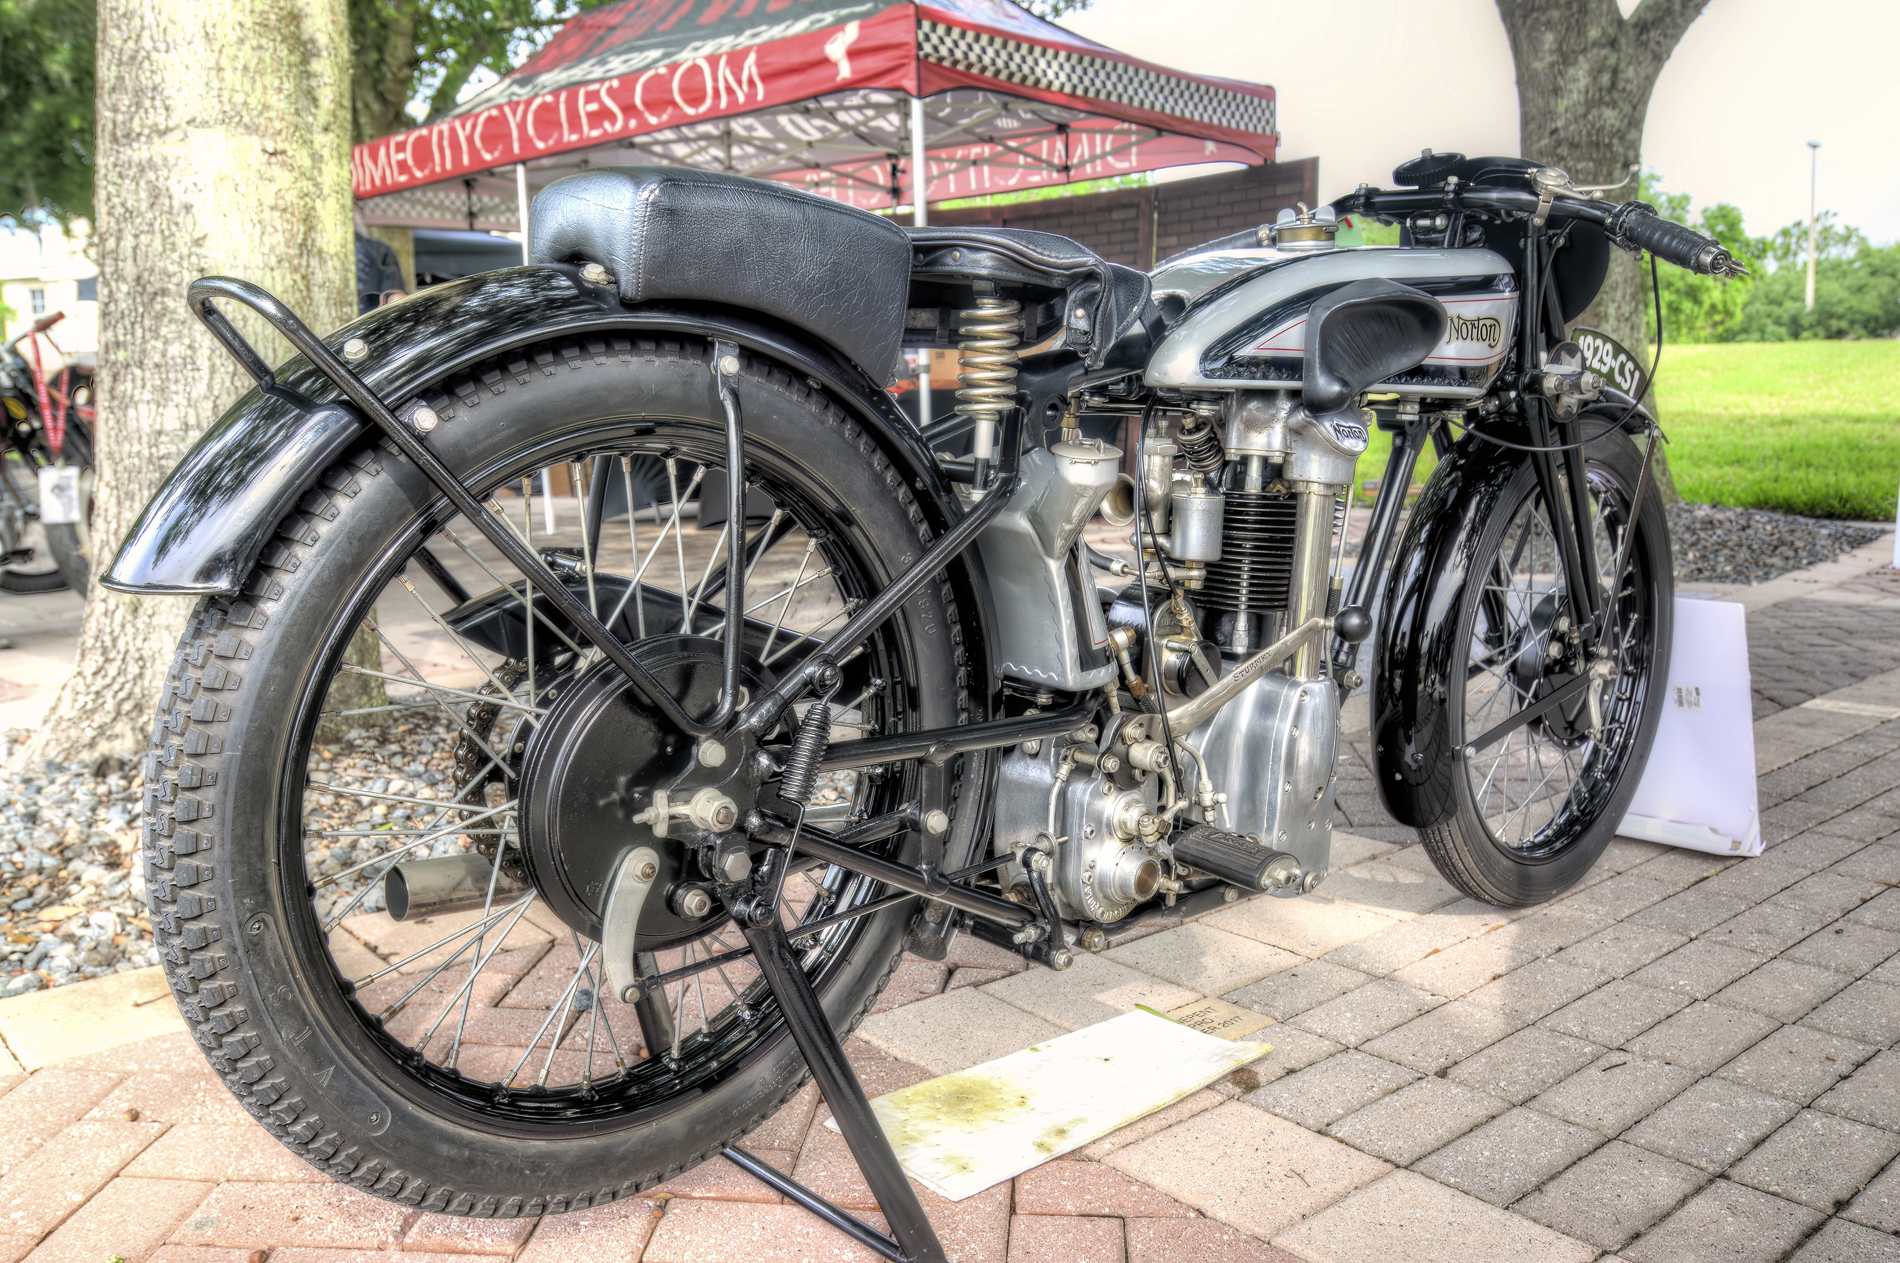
46 112
1044 192
1856 293
1799 427
412 58
1358 230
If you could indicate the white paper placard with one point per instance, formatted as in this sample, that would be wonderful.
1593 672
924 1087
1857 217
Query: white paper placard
59 495
1699 788
962 1133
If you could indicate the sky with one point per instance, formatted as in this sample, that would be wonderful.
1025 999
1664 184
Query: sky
1368 83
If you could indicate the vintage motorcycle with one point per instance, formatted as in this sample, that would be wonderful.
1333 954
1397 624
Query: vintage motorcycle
835 693
48 421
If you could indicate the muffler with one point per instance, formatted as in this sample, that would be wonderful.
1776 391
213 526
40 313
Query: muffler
453 883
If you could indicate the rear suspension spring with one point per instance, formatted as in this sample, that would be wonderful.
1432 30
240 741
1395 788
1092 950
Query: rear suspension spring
989 334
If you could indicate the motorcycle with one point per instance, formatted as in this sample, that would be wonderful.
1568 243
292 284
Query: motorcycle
45 547
460 955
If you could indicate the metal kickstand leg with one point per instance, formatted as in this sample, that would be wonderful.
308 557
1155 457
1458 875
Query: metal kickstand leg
912 1239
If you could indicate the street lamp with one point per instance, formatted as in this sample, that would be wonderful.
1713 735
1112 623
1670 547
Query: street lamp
1814 168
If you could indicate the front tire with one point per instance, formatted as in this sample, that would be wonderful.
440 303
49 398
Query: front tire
1533 811
248 925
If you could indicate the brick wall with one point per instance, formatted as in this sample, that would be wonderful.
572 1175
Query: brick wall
1141 226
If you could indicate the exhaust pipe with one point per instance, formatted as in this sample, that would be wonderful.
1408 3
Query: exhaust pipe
1118 507
453 883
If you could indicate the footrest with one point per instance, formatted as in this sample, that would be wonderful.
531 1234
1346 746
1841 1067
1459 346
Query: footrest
1236 860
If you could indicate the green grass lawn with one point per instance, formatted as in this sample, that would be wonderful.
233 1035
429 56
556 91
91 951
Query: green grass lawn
1796 427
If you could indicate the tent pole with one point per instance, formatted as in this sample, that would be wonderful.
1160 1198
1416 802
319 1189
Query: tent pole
920 215
521 202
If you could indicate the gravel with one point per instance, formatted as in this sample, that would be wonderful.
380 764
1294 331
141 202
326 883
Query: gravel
73 905
1715 544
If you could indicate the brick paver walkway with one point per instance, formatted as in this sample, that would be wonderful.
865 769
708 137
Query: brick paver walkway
1688 1058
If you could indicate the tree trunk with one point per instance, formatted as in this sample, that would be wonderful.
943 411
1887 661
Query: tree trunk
223 147
1584 77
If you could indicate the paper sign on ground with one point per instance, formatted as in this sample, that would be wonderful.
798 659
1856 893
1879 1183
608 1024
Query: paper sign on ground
1215 1016
962 1133
1699 788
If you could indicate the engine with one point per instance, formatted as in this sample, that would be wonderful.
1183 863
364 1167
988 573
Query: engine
1083 816
1240 494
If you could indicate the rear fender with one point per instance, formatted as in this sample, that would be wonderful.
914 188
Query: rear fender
202 533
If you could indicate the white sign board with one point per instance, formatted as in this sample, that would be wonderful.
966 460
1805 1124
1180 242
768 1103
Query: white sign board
59 495
1699 788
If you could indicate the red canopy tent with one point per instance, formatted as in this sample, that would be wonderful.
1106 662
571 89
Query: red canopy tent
836 96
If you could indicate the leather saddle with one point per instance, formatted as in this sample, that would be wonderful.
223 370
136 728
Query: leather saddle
841 274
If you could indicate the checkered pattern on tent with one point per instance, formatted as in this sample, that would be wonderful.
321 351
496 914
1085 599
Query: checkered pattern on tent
1099 78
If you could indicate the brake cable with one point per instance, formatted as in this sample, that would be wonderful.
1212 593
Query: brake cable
1655 286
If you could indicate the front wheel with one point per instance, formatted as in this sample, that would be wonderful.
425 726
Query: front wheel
386 690
1534 809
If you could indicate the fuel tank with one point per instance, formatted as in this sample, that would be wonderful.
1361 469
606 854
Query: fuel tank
1238 316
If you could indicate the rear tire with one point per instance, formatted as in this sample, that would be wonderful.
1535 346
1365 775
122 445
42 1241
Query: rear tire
230 896
1534 810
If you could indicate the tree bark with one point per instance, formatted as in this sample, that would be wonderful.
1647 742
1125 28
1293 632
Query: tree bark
1584 78
223 147
384 69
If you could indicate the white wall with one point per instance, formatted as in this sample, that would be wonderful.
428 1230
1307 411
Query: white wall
48 261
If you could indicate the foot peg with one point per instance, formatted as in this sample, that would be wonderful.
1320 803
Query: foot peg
1237 860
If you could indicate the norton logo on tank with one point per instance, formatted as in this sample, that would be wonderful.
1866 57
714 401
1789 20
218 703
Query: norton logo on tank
1486 329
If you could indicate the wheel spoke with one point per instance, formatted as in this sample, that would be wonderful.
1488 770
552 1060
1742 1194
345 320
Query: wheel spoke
459 992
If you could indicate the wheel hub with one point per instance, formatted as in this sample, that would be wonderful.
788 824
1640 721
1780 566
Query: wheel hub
605 772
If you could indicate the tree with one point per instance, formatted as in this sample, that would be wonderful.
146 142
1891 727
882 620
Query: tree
262 190
1584 78
425 51
1706 308
46 86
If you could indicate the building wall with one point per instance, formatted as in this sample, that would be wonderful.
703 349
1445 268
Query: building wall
1140 227
48 261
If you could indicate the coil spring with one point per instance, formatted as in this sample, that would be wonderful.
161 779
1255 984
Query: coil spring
1201 447
808 749
989 334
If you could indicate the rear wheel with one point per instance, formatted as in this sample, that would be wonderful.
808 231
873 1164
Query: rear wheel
470 1062
1535 808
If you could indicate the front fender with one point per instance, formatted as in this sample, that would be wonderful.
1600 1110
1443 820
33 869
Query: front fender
1419 657
202 532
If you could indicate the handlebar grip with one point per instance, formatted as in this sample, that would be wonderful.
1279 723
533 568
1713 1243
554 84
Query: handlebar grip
48 321
1637 226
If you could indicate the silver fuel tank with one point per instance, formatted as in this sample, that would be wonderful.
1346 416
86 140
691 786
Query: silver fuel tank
1243 315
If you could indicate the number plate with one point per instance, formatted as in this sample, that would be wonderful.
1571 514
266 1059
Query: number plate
1605 356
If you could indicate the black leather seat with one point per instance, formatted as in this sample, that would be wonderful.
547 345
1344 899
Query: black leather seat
672 232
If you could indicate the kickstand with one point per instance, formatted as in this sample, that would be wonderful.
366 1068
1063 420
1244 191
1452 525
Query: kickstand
912 1239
